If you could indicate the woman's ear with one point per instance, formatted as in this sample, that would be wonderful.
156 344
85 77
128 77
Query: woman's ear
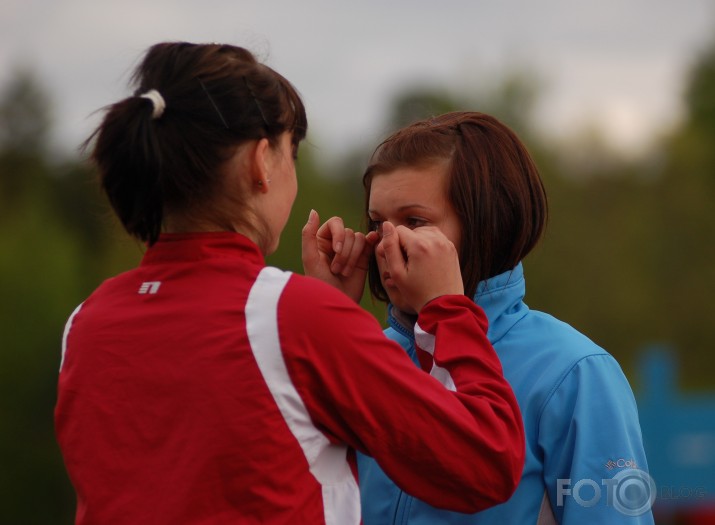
261 165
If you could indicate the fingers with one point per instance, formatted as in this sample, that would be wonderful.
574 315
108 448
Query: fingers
352 246
331 235
357 254
345 246
372 238
422 263
363 260
394 259
335 248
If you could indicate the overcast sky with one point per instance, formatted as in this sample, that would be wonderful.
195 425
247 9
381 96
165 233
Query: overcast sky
619 63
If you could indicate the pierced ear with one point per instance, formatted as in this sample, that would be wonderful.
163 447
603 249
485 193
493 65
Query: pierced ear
261 165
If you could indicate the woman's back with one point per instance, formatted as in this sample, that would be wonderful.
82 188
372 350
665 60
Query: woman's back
163 411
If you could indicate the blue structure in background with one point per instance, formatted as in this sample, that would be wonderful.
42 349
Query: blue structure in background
679 439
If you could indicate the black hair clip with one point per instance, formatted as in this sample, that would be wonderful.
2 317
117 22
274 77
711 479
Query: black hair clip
255 100
213 103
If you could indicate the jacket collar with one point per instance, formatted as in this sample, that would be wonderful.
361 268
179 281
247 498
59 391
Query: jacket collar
172 247
501 297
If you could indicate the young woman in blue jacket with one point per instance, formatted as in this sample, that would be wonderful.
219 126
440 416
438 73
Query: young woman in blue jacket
470 175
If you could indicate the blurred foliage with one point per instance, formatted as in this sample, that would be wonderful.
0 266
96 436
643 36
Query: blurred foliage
628 258
699 94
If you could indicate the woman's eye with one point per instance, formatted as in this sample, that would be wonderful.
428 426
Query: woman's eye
375 226
415 222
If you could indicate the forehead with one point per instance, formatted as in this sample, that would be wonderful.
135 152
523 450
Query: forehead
423 185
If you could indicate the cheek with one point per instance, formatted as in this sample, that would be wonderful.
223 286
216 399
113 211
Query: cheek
457 241
294 182
453 231
291 189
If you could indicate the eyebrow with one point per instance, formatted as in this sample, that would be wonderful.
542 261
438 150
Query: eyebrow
405 207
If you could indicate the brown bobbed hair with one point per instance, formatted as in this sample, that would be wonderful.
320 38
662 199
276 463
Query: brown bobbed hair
493 184
217 97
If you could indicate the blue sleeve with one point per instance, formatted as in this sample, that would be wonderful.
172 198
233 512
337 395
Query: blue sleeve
595 467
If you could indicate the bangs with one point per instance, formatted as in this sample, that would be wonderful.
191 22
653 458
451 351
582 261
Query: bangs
421 144
294 117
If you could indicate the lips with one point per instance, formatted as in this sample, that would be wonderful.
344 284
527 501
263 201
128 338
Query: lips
387 279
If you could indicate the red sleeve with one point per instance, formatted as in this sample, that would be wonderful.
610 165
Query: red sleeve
462 450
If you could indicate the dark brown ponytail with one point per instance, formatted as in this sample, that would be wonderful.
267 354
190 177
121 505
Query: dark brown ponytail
216 97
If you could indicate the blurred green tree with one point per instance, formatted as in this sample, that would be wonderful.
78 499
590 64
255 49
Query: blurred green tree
685 223
38 276
25 116
58 243
700 93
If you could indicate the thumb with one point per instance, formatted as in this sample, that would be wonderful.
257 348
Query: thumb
311 227
394 258
309 236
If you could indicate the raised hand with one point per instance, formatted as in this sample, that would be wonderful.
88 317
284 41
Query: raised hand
336 254
422 263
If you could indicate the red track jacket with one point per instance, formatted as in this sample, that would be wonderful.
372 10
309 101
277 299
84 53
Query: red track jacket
204 387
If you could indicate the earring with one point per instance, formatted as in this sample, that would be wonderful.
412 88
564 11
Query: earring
260 182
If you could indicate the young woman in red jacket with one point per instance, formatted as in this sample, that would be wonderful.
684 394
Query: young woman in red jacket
204 386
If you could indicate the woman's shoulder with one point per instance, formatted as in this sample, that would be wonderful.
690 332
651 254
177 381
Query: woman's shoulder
307 299
316 293
555 339
540 352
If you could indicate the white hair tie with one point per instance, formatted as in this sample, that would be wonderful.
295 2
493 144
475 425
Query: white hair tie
157 101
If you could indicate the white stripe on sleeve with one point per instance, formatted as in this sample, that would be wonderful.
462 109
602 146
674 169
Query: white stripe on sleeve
426 342
328 462
65 335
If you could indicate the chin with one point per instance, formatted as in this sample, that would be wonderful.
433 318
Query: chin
397 302
270 248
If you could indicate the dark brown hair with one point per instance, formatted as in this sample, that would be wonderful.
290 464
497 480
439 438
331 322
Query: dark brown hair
493 185
217 97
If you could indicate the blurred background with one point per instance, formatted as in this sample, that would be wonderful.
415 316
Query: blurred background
615 100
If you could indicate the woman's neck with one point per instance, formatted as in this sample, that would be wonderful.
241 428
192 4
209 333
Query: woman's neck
175 223
405 319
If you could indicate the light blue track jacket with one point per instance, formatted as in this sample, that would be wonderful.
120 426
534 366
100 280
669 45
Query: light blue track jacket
585 463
